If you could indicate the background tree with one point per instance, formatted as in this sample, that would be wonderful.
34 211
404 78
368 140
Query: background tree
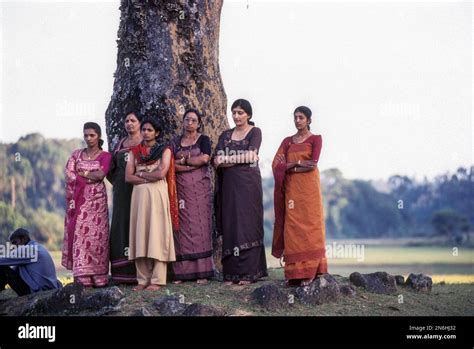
449 223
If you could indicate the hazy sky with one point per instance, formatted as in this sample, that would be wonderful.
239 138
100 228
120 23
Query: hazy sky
390 84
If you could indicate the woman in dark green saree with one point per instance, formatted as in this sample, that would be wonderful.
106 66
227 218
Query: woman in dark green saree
122 269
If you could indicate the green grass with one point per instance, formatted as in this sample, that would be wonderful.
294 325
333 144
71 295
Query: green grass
453 298
236 301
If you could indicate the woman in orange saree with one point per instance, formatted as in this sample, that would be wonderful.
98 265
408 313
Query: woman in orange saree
299 232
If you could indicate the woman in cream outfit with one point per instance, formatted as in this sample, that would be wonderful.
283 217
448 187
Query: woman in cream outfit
153 208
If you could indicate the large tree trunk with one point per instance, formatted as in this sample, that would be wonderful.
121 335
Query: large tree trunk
167 62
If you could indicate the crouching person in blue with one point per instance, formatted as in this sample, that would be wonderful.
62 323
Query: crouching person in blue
26 266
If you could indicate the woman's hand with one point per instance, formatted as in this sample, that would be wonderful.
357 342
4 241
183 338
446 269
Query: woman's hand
218 160
280 158
308 163
83 173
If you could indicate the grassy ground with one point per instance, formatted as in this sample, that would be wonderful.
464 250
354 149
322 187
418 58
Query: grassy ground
444 300
453 277
451 294
235 300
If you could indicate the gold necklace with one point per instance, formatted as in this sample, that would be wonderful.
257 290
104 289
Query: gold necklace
89 157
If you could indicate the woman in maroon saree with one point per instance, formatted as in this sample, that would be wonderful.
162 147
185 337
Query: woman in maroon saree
193 241
86 236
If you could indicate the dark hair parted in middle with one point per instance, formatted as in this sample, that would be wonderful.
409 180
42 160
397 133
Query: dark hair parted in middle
305 111
154 123
246 106
134 112
94 126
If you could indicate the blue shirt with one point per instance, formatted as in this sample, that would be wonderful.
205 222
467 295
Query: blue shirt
38 272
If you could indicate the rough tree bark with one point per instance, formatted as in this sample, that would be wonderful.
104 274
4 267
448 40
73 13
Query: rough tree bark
168 61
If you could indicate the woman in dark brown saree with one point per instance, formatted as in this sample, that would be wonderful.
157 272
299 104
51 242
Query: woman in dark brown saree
193 241
122 269
239 198
299 233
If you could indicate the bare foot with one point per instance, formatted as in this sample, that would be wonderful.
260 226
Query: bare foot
177 282
228 283
139 287
153 287
244 282
201 281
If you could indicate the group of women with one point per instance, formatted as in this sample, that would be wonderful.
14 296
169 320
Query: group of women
163 204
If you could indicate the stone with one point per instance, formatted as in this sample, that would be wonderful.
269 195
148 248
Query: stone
104 298
399 279
323 289
347 290
419 283
71 299
379 282
270 297
169 305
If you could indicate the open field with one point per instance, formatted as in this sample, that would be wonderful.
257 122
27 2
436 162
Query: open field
437 262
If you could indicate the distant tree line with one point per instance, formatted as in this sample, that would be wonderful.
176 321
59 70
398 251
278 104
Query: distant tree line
32 196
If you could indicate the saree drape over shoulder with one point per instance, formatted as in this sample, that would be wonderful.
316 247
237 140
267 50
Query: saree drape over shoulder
239 211
299 231
86 237
122 269
153 210
193 241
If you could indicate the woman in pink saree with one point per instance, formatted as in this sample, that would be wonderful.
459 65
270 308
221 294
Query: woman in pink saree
86 227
